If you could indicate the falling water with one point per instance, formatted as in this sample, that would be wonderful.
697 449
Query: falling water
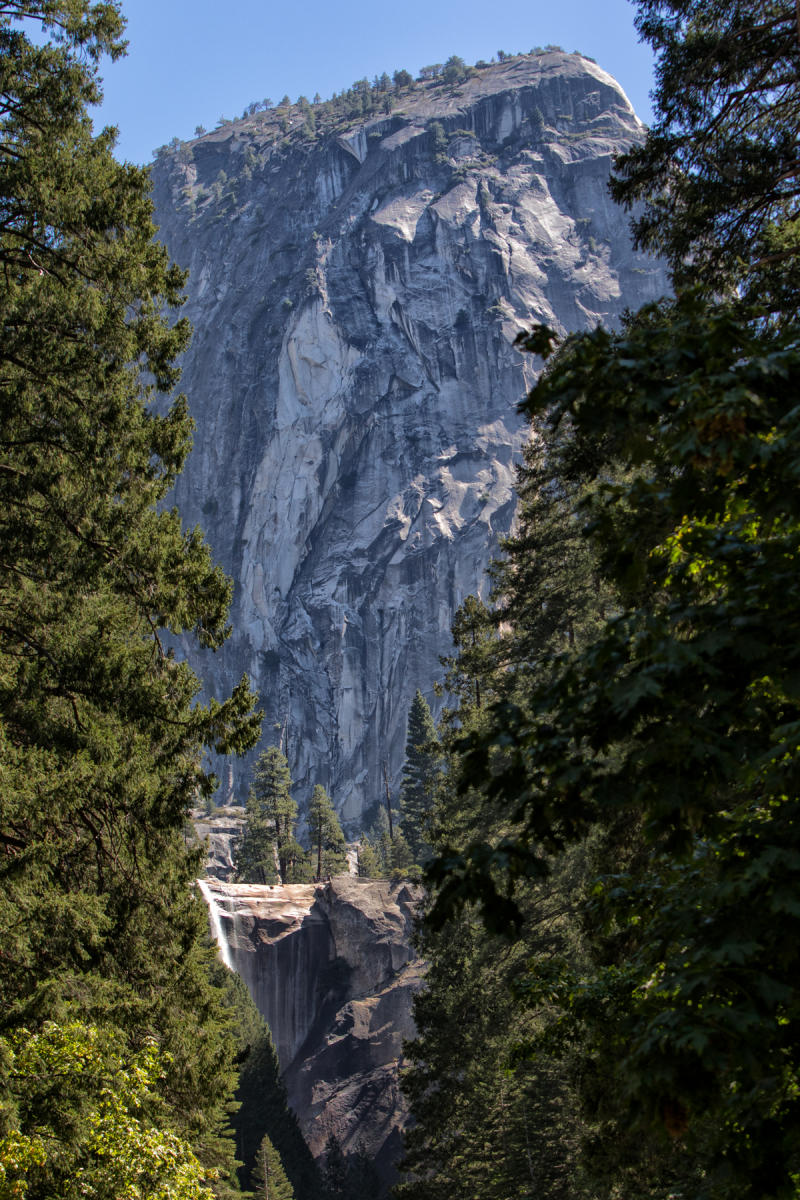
216 923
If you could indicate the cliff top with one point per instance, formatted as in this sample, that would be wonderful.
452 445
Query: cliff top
419 102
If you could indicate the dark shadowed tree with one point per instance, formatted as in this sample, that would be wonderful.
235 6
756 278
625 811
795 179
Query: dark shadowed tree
716 179
669 736
334 1174
102 740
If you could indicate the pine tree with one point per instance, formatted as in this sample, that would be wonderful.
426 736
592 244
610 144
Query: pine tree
269 1177
328 850
399 858
102 741
476 641
255 859
369 866
550 592
334 1175
269 831
666 742
715 182
420 776
363 1180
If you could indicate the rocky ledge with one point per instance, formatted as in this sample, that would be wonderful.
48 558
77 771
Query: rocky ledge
332 970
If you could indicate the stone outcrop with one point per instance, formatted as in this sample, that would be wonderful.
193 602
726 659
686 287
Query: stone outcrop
355 299
220 830
331 968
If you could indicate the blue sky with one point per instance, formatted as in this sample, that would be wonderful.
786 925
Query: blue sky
192 61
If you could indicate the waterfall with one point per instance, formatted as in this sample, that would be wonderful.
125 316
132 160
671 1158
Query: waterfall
214 913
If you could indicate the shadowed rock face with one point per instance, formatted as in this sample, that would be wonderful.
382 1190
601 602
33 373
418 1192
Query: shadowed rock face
354 382
331 969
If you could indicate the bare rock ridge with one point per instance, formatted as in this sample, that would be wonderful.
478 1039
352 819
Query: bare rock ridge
331 969
355 298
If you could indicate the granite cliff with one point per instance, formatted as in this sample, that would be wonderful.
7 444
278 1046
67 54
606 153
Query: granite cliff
355 297
331 968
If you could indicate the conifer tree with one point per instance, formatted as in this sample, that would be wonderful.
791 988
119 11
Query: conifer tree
328 849
261 1100
255 859
485 1119
399 859
363 1180
269 1177
334 1175
369 866
668 738
420 777
269 831
475 639
101 739
715 182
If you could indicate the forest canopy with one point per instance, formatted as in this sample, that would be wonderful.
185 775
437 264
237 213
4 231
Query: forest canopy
622 803
104 964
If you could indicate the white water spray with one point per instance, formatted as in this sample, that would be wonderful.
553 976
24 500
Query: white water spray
216 923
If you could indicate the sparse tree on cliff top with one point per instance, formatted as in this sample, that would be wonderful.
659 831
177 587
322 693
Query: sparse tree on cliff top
455 69
327 840
269 832
369 866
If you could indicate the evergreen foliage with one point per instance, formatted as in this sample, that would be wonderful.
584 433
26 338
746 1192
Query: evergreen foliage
369 866
485 1125
328 852
269 1177
717 174
364 1182
349 1176
397 857
386 855
420 775
268 850
334 1176
385 851
261 1105
488 1119
474 633
642 720
101 736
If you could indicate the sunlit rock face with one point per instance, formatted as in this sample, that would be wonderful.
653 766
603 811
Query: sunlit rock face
331 968
220 830
354 381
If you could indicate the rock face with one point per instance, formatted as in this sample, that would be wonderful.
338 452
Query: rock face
331 968
354 382
220 830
